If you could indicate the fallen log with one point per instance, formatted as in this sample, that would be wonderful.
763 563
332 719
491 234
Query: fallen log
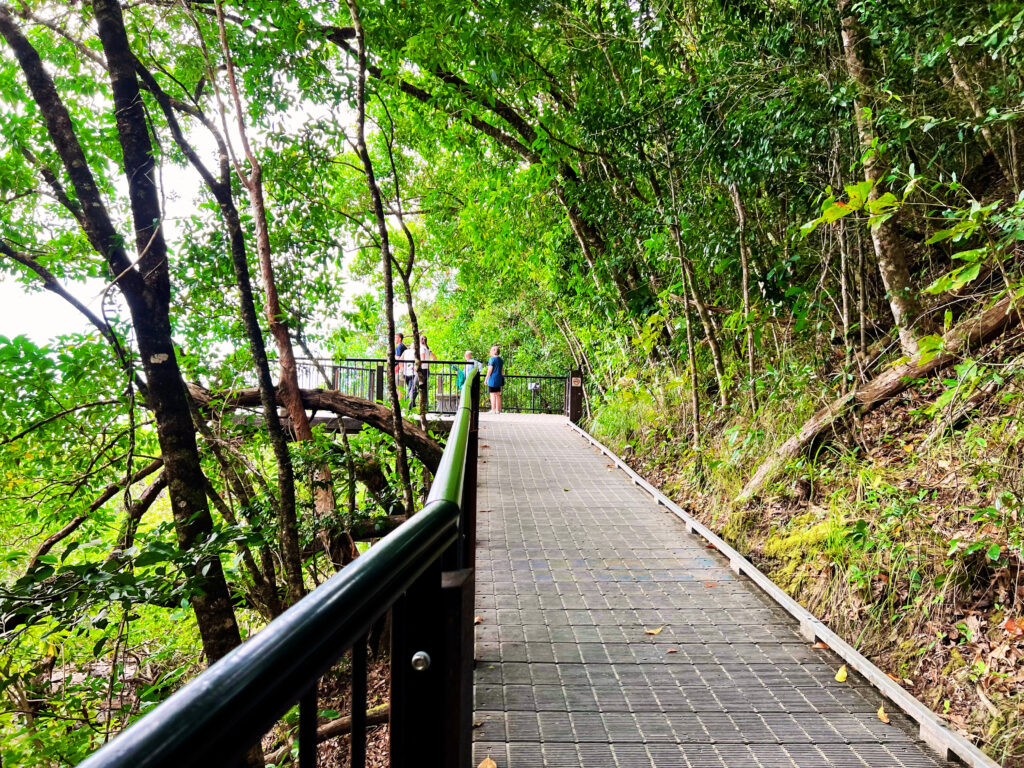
377 416
975 331
339 727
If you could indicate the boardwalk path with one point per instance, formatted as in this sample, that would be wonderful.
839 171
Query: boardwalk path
574 564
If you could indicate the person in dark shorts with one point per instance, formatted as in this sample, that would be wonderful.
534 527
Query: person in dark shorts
495 378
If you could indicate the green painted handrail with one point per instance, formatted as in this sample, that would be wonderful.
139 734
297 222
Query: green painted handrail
451 471
222 712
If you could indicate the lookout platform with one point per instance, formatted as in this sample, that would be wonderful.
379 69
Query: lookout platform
613 638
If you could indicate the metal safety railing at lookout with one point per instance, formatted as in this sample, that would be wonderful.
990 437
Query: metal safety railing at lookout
522 393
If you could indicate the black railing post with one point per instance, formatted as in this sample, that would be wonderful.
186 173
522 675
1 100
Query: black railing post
457 597
307 728
380 384
418 673
357 736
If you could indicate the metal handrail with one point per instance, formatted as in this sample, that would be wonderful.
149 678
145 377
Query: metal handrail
229 706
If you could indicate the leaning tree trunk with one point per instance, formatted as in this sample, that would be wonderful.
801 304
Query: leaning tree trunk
889 246
968 333
967 90
288 387
220 188
698 300
386 258
691 360
705 319
146 288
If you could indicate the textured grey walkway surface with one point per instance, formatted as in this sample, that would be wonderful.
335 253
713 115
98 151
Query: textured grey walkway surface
574 565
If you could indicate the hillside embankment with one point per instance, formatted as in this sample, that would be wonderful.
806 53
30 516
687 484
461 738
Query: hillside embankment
900 527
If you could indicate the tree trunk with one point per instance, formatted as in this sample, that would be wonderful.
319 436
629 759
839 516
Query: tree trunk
221 190
288 387
741 220
885 235
377 416
1005 166
698 300
147 292
691 359
705 319
386 258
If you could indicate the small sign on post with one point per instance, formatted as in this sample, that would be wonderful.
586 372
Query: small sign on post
577 381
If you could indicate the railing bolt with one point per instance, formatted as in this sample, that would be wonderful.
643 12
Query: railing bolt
421 661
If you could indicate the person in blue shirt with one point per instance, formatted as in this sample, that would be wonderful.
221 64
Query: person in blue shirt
495 378
399 351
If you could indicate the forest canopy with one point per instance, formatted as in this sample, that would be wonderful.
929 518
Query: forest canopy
780 238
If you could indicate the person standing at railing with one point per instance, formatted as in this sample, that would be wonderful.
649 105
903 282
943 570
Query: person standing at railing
399 351
409 358
495 378
471 365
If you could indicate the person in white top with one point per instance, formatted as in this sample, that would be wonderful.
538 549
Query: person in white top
409 369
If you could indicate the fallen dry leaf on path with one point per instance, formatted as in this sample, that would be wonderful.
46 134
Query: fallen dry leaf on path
487 763
894 678
653 631
1014 627
841 674
478 620
881 714
478 723
820 645
672 650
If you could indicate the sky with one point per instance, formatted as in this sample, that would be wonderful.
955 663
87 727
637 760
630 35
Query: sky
42 315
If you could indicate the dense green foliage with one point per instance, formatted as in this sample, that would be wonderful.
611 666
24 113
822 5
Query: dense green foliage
727 213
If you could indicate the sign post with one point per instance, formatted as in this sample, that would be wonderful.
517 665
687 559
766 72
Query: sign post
574 397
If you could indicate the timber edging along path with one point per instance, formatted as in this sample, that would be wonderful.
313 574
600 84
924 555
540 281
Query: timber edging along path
933 731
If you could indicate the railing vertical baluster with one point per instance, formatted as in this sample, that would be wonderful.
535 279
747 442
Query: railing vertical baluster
357 743
307 728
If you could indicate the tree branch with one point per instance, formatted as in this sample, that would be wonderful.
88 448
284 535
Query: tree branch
103 498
